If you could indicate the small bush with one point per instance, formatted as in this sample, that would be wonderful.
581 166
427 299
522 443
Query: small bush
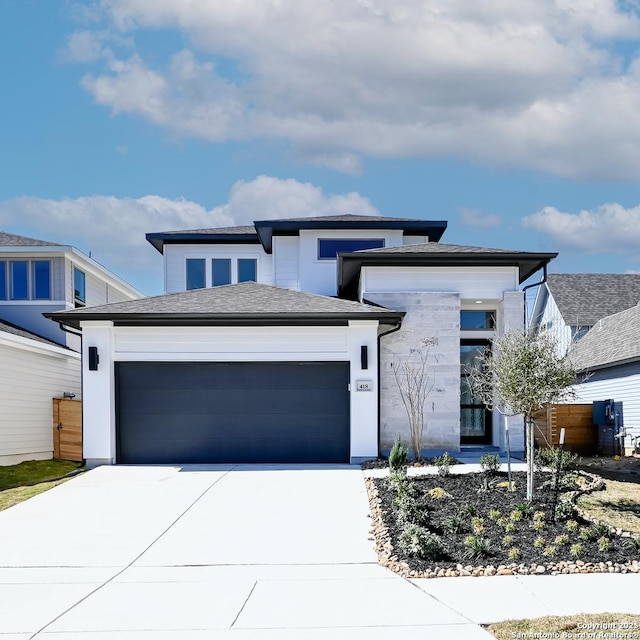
419 541
507 541
585 533
444 463
576 550
510 527
514 554
470 509
453 524
538 543
565 510
477 525
550 551
410 510
502 522
538 525
571 525
550 456
601 530
398 456
478 548
562 539
400 483
494 515
632 544
603 544
490 463
515 515
524 508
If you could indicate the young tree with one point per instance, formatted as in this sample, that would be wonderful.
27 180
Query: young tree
415 383
519 375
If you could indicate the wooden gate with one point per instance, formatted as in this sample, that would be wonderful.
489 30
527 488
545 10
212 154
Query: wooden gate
581 436
67 429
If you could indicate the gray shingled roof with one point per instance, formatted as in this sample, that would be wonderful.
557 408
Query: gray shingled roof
222 231
437 247
244 301
614 339
585 298
350 217
13 329
12 240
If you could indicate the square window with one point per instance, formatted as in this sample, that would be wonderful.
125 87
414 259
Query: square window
247 270
41 270
329 248
19 280
79 288
477 320
220 271
195 273
3 280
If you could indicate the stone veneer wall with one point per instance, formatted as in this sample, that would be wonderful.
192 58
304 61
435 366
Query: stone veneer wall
511 318
429 315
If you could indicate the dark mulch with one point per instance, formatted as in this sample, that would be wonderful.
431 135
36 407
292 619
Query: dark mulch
469 498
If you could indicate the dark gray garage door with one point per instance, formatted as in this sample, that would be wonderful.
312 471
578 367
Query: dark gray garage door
232 412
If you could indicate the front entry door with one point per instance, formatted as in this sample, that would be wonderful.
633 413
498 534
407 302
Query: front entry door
475 418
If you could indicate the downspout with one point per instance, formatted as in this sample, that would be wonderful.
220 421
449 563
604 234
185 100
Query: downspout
386 333
530 286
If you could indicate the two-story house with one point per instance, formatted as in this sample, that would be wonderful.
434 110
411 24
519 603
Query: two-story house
569 304
38 359
277 342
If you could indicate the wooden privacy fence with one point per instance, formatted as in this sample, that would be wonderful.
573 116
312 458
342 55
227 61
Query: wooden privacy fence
581 436
67 429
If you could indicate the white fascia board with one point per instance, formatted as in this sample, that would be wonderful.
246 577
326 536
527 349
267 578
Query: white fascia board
76 256
38 347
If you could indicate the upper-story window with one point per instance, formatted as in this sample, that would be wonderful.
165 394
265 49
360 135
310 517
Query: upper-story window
247 269
329 248
477 320
195 273
79 288
220 271
25 280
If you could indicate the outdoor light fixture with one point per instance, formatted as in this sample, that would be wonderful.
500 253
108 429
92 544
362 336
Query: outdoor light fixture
69 394
94 359
364 357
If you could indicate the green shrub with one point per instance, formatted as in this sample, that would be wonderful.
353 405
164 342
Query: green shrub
494 515
538 525
444 463
478 548
585 533
419 541
538 543
549 457
565 510
603 544
550 551
410 509
601 530
510 527
400 483
507 541
576 550
490 463
514 554
452 524
470 509
563 538
515 515
398 456
477 525
632 545
571 525
524 508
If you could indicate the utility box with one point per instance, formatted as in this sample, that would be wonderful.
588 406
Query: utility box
604 417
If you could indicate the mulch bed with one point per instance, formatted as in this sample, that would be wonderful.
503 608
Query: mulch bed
468 497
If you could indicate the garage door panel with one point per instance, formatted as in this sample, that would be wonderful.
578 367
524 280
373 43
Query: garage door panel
232 412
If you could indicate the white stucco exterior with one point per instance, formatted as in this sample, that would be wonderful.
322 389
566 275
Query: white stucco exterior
225 344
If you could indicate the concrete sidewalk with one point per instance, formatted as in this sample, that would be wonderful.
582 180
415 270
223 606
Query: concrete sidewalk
242 552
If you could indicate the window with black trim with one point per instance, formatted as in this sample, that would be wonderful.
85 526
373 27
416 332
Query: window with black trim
195 273
220 271
329 248
477 320
247 270
79 288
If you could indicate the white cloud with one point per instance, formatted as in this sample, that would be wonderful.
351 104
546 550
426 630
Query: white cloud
534 83
474 218
611 228
113 229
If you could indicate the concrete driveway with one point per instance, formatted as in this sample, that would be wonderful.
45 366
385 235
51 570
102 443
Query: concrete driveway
207 552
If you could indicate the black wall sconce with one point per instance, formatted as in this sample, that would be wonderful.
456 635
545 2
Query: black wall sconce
364 357
94 359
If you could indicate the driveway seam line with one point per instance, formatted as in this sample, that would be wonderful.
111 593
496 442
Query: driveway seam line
244 604
128 566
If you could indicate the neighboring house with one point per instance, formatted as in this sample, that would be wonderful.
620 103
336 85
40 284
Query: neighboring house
275 342
608 359
569 304
33 370
38 360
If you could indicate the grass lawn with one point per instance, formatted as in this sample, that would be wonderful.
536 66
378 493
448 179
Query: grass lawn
618 505
625 624
19 482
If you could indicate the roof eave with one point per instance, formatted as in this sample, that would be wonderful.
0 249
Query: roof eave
158 240
225 319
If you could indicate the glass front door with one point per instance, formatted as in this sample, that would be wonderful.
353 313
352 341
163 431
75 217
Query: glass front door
475 418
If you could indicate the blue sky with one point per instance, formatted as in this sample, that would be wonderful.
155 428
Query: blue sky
519 123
